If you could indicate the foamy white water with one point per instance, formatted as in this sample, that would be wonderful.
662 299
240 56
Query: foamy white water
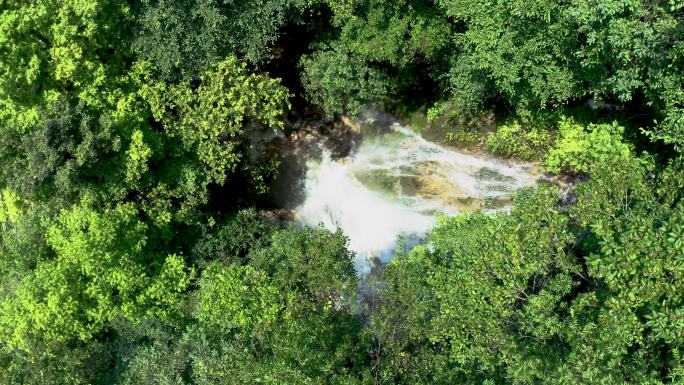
397 184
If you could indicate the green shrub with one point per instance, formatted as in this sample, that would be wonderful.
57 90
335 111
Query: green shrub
579 148
462 137
515 141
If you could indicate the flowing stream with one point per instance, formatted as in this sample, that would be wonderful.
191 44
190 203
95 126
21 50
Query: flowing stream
396 184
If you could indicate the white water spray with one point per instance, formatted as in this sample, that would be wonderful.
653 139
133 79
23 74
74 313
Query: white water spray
397 184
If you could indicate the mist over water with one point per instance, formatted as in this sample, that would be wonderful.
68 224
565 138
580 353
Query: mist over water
397 184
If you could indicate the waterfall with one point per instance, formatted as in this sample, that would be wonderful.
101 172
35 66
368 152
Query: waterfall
397 184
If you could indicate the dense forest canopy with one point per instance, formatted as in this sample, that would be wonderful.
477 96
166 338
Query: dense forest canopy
133 249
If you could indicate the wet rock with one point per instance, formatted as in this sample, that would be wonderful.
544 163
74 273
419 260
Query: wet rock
342 138
434 183
488 174
377 180
404 183
566 183
355 127
569 198
470 203
310 134
278 217
495 203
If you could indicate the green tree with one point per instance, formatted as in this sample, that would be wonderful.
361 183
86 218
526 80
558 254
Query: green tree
383 50
47 47
548 293
184 38
72 151
399 33
282 318
312 261
485 298
101 270
341 82
238 299
211 121
232 241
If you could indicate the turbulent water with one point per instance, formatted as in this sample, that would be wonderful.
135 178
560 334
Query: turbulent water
397 184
